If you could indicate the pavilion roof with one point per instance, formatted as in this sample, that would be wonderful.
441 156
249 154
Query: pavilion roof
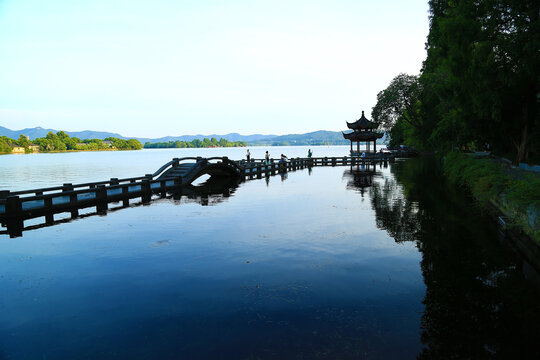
362 135
361 123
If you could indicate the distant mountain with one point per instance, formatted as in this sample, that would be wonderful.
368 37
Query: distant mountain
321 137
39 132
230 137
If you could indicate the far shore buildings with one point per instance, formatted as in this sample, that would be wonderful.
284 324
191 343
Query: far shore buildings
363 131
17 149
34 148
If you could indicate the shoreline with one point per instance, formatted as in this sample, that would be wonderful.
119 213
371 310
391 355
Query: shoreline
500 192
66 151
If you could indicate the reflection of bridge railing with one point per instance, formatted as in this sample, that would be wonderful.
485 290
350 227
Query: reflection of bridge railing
210 193
17 206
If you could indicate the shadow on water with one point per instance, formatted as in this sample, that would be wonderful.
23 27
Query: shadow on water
211 192
478 303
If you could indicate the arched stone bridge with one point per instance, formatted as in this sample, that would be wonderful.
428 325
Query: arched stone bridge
188 169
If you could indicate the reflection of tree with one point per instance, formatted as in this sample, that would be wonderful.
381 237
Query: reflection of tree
394 212
477 302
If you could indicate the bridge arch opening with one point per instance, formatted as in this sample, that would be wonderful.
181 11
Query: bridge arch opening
201 180
214 171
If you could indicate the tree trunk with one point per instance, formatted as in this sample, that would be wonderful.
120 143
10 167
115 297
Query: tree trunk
521 145
528 114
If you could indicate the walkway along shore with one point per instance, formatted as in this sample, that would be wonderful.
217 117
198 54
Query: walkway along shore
179 173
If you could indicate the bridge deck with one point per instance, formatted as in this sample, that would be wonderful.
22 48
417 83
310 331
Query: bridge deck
17 206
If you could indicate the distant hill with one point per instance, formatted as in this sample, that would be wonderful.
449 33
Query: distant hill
320 137
229 137
39 132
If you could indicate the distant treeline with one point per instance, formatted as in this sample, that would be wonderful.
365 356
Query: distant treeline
63 142
204 143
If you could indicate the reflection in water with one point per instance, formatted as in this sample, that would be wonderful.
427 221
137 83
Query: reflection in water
477 303
360 177
394 211
211 192
283 271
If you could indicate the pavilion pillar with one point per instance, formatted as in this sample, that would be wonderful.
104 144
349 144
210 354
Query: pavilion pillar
351 147
358 146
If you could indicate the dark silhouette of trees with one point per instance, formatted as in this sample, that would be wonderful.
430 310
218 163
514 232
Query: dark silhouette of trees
479 83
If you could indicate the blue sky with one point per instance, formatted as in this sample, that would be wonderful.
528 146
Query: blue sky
157 68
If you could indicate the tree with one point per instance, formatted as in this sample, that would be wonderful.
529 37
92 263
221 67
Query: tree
515 43
481 75
54 142
399 100
4 144
134 144
23 141
399 111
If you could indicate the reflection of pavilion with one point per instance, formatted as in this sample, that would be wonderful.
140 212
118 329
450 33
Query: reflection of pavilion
360 177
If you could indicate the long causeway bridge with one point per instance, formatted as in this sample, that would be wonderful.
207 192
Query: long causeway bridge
18 206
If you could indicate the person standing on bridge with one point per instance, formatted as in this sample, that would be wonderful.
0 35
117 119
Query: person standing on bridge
309 153
267 158
248 155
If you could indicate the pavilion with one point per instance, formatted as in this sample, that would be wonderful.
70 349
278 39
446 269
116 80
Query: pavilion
362 132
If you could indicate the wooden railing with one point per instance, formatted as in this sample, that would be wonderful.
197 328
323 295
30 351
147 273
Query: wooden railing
17 206
257 167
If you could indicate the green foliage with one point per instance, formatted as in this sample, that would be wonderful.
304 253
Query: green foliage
71 143
4 144
484 177
62 142
516 192
22 141
134 144
525 191
399 101
121 144
479 83
196 143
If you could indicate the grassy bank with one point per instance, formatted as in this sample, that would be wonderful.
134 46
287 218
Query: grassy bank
516 193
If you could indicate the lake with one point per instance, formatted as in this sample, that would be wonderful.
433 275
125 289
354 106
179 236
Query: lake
321 263
30 171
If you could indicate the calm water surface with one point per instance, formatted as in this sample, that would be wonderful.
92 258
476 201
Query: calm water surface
31 171
329 263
